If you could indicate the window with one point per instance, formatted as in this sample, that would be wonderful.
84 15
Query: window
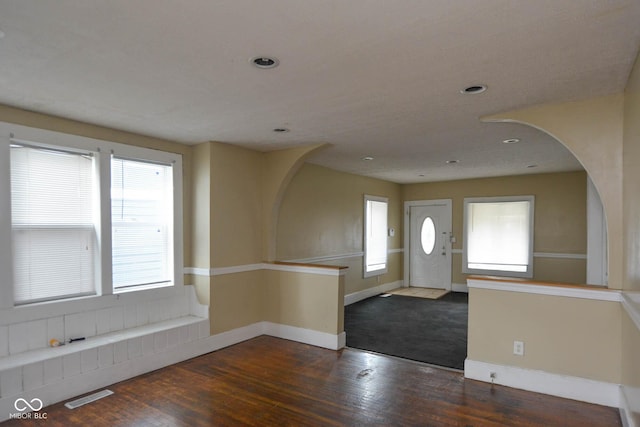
141 223
53 233
375 235
498 236
83 222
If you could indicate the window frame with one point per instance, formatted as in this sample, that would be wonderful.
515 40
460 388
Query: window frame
104 293
501 199
366 272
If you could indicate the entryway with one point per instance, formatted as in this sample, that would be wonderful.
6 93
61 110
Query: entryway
428 244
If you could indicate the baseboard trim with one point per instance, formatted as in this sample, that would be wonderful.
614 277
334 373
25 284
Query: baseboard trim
367 293
459 287
306 336
629 414
569 387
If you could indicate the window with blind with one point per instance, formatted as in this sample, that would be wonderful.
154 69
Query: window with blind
86 217
498 236
141 223
375 235
53 231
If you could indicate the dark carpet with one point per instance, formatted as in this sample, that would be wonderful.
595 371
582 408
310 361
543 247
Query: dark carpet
431 331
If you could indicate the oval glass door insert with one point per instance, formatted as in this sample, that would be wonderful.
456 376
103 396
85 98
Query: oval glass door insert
428 235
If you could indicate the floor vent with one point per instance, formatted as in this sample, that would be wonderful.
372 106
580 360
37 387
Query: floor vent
88 399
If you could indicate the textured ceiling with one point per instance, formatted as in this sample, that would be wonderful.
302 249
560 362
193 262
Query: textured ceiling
369 77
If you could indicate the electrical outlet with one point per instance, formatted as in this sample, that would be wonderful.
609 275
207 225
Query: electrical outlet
518 348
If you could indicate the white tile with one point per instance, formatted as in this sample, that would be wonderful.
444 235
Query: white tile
203 329
105 355
55 328
18 340
53 370
160 341
89 360
142 314
155 309
173 337
117 319
32 376
79 325
120 352
71 365
184 334
37 334
148 345
10 382
130 316
4 340
194 333
103 321
134 346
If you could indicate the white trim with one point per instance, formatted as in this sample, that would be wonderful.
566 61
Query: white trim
631 304
568 387
540 289
559 255
543 254
459 287
307 336
626 411
367 293
314 260
221 271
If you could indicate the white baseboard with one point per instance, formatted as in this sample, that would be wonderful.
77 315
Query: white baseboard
367 293
569 387
459 287
630 406
307 336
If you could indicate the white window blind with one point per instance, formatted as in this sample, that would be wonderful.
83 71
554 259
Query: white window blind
498 236
375 235
142 223
53 233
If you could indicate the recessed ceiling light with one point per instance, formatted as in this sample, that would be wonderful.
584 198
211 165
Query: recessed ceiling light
367 158
511 141
532 166
421 174
264 61
452 162
281 130
472 90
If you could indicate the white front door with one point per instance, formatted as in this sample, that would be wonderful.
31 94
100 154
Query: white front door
430 244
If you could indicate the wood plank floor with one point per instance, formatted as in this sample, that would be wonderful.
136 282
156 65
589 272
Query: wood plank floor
271 382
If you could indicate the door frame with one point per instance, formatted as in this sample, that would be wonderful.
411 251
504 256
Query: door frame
407 235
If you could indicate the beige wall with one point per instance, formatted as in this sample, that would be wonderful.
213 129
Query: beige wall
322 215
303 300
631 236
569 336
236 205
631 188
560 216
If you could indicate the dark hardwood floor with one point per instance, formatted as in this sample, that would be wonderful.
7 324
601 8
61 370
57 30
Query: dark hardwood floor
267 381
